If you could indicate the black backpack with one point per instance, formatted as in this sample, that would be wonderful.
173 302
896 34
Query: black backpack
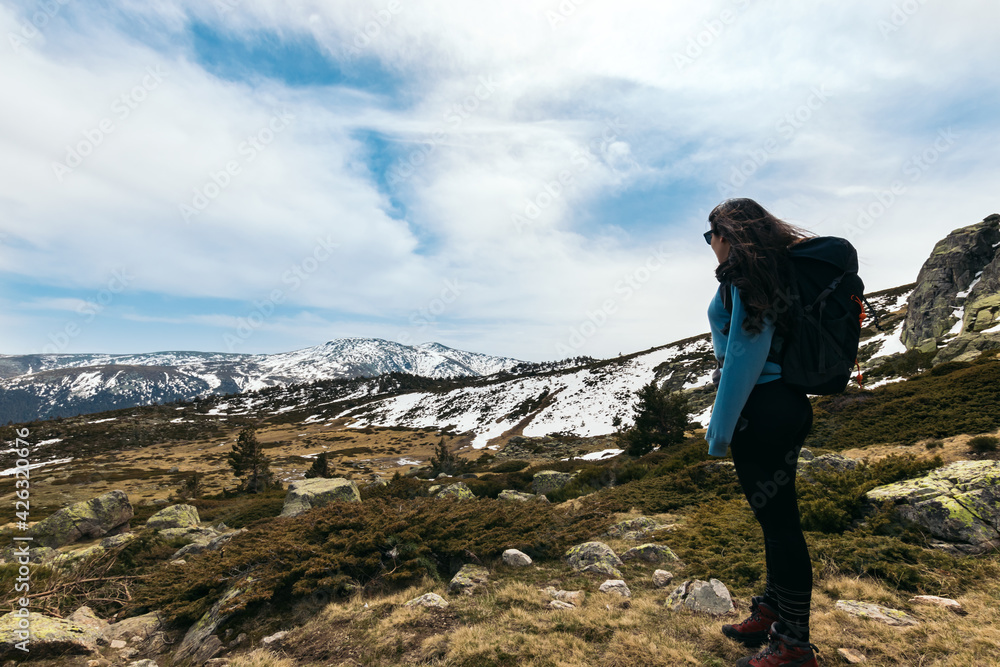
826 297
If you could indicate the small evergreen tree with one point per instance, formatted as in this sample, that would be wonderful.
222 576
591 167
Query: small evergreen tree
192 487
320 467
444 461
249 463
661 417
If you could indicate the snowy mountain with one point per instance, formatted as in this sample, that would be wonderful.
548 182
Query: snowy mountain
51 385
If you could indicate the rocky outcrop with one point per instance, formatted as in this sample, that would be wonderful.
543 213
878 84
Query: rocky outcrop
468 579
107 514
200 643
545 481
457 490
966 258
175 516
44 636
958 503
305 494
511 494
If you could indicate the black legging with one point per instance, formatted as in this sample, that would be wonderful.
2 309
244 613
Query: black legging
766 454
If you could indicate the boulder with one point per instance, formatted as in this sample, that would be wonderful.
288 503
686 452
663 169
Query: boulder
428 600
213 544
516 558
71 558
44 636
709 597
616 586
305 494
118 540
108 513
662 578
142 627
86 618
825 463
457 490
200 534
545 481
467 579
651 553
638 527
958 503
595 557
875 612
174 516
199 638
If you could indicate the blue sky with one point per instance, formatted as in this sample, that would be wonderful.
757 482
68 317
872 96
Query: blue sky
528 179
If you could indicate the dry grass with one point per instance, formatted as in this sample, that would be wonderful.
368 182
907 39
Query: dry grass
511 624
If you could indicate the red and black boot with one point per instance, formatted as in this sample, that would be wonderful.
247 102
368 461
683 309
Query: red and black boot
753 631
782 651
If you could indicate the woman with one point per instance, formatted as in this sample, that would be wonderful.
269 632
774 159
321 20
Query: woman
761 420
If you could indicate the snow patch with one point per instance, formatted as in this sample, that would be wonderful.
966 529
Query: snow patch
32 466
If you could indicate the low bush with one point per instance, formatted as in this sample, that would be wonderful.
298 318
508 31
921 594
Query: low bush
982 444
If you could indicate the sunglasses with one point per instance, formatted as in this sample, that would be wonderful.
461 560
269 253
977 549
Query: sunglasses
708 237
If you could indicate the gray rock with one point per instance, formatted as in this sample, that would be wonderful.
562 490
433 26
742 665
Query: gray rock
545 481
107 514
594 557
303 495
276 637
958 503
709 597
630 528
86 618
145 662
49 637
651 553
214 544
117 540
175 516
559 604
825 463
428 600
467 579
198 635
936 601
143 627
875 612
516 558
572 598
511 494
662 578
616 586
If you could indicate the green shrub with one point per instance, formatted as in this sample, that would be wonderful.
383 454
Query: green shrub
511 465
934 444
983 444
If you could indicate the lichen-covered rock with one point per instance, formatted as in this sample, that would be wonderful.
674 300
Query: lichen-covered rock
198 547
631 528
200 634
86 618
709 597
511 494
545 481
175 516
12 554
467 579
108 513
44 636
457 490
617 587
516 558
118 540
591 553
875 612
200 534
305 494
825 463
958 503
432 600
70 559
651 553
143 626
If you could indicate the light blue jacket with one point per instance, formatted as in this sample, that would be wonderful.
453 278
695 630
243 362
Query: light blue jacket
744 361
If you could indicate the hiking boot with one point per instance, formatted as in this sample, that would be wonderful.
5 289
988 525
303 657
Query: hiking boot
753 631
783 651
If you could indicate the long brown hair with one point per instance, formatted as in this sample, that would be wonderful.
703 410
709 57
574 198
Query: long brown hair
758 260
